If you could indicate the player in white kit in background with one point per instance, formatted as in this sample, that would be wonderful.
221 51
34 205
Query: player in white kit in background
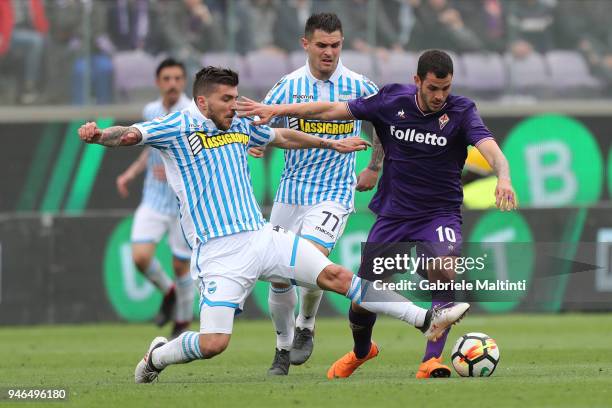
317 187
158 213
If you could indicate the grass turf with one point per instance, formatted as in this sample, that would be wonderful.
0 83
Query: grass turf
546 360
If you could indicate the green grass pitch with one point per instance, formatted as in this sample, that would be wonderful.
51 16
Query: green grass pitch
546 360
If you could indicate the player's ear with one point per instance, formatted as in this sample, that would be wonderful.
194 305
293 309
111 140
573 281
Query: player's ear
304 42
201 102
417 81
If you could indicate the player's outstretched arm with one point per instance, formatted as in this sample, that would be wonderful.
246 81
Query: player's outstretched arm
294 139
505 197
310 110
110 137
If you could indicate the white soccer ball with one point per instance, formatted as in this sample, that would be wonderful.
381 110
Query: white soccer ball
475 355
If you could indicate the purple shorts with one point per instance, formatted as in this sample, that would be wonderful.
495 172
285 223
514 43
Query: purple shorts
435 237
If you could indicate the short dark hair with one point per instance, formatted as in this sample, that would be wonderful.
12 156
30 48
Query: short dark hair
328 22
437 62
208 77
169 62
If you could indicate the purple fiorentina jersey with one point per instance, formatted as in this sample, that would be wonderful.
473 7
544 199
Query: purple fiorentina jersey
424 152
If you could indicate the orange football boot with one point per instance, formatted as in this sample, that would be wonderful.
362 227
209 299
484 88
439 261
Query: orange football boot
348 363
433 368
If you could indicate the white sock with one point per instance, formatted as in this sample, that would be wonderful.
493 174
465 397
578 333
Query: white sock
386 302
281 302
158 277
310 300
184 299
183 349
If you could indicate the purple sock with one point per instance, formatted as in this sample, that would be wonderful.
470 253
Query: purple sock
435 348
361 325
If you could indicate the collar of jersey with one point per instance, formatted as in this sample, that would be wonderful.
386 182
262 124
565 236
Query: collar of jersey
333 78
416 103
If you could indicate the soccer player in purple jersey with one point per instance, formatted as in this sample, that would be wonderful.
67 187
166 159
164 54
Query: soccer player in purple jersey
424 132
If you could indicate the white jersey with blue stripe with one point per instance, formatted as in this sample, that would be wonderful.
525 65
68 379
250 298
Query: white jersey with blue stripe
311 176
208 170
157 194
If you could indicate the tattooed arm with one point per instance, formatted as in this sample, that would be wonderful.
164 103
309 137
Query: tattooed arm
378 154
366 180
110 137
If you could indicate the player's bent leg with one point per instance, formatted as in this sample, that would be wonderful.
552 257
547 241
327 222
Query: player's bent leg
310 299
181 260
143 255
376 299
322 225
362 323
282 299
189 346
431 365
148 229
216 325
184 288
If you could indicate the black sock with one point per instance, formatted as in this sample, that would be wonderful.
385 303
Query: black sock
361 325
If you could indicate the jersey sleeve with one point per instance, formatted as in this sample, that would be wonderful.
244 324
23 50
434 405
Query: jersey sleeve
474 128
161 132
367 87
278 93
260 135
367 107
276 96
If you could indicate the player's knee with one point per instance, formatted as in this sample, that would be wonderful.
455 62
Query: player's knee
180 266
213 344
141 260
277 285
335 278
358 309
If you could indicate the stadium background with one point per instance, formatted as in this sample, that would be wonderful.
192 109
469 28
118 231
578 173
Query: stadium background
540 71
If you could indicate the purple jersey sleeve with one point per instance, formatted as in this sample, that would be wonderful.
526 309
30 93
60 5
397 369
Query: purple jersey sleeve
367 107
474 129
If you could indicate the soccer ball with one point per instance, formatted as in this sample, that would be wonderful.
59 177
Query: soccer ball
475 355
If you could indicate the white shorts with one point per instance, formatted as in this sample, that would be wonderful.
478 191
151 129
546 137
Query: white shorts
149 226
322 223
228 268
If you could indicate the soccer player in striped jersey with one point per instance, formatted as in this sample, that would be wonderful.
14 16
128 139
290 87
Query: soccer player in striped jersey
205 148
425 132
317 187
157 213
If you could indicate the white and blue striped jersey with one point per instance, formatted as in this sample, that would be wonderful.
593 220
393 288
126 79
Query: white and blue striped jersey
157 194
208 170
311 176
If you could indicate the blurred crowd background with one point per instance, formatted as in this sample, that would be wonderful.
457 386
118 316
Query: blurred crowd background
59 52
